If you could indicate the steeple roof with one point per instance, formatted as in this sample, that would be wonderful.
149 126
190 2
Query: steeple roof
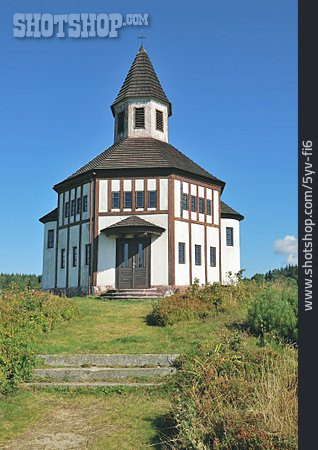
142 81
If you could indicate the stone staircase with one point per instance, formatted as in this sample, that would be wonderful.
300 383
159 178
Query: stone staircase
127 294
101 370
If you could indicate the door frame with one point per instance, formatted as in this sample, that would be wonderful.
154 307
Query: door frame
147 255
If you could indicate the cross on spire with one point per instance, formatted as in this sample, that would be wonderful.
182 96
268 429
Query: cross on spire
142 37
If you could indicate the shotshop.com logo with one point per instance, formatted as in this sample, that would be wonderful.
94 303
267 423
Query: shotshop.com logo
86 25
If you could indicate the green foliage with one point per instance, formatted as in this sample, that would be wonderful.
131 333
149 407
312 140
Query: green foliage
20 281
274 312
23 316
202 302
232 397
289 272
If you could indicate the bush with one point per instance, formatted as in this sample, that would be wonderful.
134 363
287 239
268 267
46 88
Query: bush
23 315
201 302
274 312
229 399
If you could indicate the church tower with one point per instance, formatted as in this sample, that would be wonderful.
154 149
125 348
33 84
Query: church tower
141 109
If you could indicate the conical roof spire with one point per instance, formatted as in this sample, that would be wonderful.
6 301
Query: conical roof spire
142 81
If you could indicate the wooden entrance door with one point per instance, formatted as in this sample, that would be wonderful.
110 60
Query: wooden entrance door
132 263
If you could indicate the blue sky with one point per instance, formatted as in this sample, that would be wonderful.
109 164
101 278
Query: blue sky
229 68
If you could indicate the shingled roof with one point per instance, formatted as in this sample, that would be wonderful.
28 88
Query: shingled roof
141 81
133 224
229 213
49 217
144 153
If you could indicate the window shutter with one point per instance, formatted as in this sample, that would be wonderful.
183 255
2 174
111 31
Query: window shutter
139 117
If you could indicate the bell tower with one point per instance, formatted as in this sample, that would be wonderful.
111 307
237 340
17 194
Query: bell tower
141 109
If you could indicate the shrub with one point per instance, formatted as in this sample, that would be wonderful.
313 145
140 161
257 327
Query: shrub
274 312
23 315
201 302
229 399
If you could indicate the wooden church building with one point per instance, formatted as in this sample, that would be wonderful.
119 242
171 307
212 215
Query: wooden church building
141 215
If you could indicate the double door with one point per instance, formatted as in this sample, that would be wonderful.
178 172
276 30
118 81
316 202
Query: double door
132 263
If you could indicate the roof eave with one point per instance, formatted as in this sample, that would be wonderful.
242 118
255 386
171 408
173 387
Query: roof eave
112 107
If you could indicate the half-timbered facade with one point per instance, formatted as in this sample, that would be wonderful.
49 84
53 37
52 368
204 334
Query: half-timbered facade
141 214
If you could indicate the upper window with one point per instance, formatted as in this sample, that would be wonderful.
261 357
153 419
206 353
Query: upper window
120 122
85 203
67 209
159 120
78 205
139 117
197 255
212 256
72 207
193 203
116 200
185 201
209 207
181 253
127 199
201 205
50 239
139 199
152 199
229 236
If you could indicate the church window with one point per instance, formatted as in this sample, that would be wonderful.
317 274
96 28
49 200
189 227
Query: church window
139 199
193 203
74 257
139 117
63 258
50 239
181 253
85 203
197 255
213 256
229 236
120 122
201 205
127 199
73 208
115 200
159 120
185 201
78 206
152 199
66 209
209 207
87 254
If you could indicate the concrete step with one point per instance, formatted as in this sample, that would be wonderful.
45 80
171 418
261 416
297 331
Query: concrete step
98 373
93 384
125 294
109 360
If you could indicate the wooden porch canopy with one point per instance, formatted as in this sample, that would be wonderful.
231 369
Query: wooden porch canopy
133 225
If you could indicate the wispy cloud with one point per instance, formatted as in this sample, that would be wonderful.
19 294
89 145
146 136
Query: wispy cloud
287 246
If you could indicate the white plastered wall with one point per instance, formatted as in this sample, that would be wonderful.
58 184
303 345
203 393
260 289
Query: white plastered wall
230 254
49 255
182 271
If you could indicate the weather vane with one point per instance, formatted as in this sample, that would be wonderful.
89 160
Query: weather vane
142 37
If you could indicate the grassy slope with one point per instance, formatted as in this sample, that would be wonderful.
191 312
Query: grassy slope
117 421
120 327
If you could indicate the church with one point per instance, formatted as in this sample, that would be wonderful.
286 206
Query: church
141 216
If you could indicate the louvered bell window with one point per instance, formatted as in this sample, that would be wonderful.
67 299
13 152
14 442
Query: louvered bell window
139 117
159 120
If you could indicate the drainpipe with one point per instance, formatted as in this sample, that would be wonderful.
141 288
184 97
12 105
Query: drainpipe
90 233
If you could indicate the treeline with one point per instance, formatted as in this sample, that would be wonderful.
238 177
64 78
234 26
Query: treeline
20 280
288 272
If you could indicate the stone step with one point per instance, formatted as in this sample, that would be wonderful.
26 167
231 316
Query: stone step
98 373
93 384
109 360
125 294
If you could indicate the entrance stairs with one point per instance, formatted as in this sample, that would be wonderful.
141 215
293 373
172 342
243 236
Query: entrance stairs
102 370
127 294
